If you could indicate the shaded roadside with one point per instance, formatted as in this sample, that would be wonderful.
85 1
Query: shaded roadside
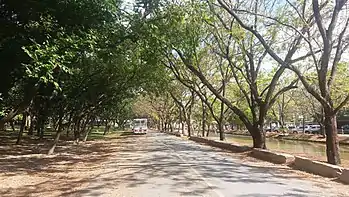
26 170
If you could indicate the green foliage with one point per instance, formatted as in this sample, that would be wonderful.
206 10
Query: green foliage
77 60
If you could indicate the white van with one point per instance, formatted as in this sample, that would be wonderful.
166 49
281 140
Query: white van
139 126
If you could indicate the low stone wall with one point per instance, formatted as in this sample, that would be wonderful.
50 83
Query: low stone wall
344 177
199 139
222 145
273 157
316 167
229 146
299 163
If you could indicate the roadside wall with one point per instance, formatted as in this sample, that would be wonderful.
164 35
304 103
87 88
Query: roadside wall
222 145
316 167
273 157
300 163
344 177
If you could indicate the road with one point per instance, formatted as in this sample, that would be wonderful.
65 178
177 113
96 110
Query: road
161 165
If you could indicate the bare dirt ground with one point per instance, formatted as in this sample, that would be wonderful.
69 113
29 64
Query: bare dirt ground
26 170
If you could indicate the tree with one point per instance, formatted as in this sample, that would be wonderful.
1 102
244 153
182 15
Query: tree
72 63
242 60
324 51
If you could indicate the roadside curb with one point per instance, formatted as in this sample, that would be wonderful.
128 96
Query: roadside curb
273 157
295 162
175 134
344 177
316 167
222 145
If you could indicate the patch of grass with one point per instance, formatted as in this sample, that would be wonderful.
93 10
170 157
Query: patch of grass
97 134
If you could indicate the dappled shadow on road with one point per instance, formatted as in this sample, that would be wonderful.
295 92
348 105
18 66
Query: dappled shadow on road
146 166
186 169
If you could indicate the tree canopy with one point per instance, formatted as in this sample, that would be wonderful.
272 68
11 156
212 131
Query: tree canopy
188 65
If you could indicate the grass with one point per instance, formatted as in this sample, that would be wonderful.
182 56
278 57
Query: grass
9 138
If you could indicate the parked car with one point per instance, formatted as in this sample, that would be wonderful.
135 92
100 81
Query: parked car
292 129
272 129
344 129
315 129
299 129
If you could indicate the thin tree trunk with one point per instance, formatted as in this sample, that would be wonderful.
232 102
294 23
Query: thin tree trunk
88 132
221 115
221 131
322 130
189 126
182 127
77 131
42 129
106 128
32 124
20 134
203 119
171 127
12 126
332 142
68 130
58 134
208 130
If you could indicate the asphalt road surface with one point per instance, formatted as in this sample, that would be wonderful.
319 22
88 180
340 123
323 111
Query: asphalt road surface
157 164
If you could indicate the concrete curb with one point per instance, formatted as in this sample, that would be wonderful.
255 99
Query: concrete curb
316 167
175 134
222 145
299 163
273 157
344 177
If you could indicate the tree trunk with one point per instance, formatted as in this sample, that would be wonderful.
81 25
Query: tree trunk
12 126
165 129
171 127
203 119
208 130
42 129
332 142
88 132
20 134
162 125
105 128
32 124
182 126
221 131
221 115
58 134
76 130
322 130
189 126
68 130
258 137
